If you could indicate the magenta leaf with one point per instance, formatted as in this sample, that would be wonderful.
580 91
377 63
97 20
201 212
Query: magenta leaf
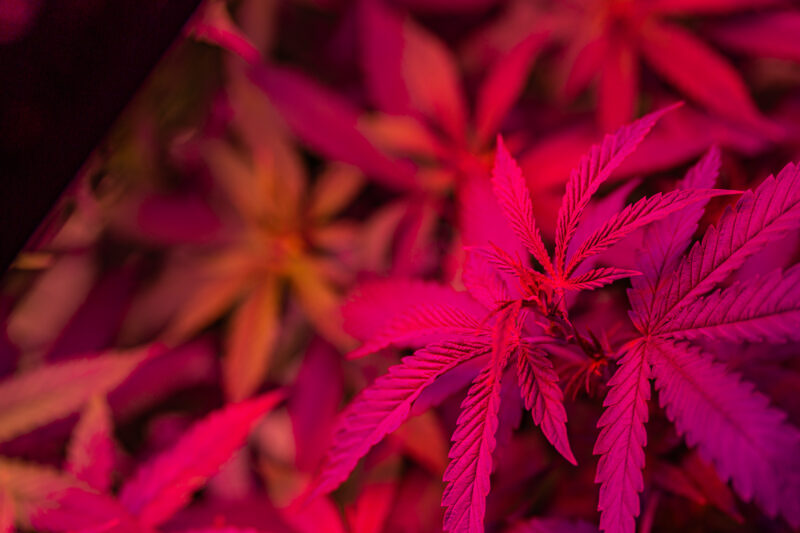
700 72
374 304
768 213
635 216
666 240
538 383
593 169
51 392
621 442
766 309
770 34
734 427
513 196
328 124
48 500
503 84
383 406
164 485
428 321
467 475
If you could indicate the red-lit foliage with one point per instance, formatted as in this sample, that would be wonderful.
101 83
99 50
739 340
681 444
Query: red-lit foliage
461 191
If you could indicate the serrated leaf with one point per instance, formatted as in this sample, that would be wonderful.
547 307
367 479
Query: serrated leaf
423 322
467 475
384 405
766 309
733 426
593 169
621 442
597 277
635 216
768 213
538 383
512 194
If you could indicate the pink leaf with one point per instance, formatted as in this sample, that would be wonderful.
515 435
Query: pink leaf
427 321
467 475
383 406
328 124
381 33
538 383
700 72
51 392
618 91
372 508
314 402
593 169
503 84
514 199
621 442
635 216
213 24
165 484
372 305
667 239
772 34
409 68
748 441
771 211
481 219
766 309
48 500
90 456
482 281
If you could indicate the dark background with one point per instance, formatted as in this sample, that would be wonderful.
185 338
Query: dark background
64 78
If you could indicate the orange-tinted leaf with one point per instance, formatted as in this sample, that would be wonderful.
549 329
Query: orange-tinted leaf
6 509
45 499
49 393
423 439
226 278
402 135
320 302
251 339
90 455
408 68
336 187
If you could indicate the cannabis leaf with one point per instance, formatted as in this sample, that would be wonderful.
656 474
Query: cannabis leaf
90 456
748 441
509 292
51 392
164 485
610 42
